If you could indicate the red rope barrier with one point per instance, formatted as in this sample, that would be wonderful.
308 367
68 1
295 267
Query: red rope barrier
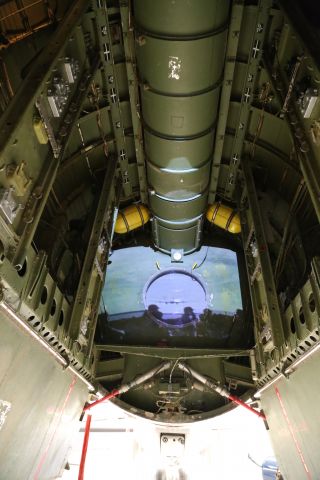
103 399
238 401
84 448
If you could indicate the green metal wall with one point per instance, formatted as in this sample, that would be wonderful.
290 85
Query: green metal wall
40 405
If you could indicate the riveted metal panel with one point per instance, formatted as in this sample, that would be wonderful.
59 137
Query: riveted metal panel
291 406
43 404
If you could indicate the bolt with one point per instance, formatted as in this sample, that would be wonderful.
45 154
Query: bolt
141 40
259 27
304 147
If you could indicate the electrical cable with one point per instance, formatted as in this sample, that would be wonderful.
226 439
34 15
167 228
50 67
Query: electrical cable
174 366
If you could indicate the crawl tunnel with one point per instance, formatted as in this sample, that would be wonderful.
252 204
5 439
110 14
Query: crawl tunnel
180 58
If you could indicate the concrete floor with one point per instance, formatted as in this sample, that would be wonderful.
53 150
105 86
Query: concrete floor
123 447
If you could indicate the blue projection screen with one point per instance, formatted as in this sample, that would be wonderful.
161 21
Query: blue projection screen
147 299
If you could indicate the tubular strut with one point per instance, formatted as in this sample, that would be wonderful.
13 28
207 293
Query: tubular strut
127 386
213 385
122 389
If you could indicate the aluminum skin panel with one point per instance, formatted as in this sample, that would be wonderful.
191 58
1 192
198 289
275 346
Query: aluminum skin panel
44 403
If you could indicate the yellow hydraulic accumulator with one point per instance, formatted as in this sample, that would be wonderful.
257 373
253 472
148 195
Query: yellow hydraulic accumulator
131 218
224 217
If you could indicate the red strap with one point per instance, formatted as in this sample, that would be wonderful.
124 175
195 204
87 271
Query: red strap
84 448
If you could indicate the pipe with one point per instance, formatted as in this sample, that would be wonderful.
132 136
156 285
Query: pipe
213 385
84 448
134 383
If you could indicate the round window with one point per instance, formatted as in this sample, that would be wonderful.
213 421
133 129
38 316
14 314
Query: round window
175 297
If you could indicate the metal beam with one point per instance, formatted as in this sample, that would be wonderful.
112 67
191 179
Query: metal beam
109 369
269 147
105 41
309 163
173 353
230 64
255 54
239 374
261 269
129 48
92 274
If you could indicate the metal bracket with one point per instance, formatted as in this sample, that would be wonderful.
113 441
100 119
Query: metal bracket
263 9
109 72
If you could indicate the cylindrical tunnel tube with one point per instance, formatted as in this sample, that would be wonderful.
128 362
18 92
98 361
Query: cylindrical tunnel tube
180 57
184 19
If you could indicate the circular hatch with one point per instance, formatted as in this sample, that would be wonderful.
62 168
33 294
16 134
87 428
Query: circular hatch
175 298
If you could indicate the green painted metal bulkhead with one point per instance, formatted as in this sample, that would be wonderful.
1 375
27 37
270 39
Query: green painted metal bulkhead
180 63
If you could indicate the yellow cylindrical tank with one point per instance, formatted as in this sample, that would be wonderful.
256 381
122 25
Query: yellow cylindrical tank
224 217
132 217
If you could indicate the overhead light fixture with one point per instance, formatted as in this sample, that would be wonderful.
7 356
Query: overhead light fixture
177 255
